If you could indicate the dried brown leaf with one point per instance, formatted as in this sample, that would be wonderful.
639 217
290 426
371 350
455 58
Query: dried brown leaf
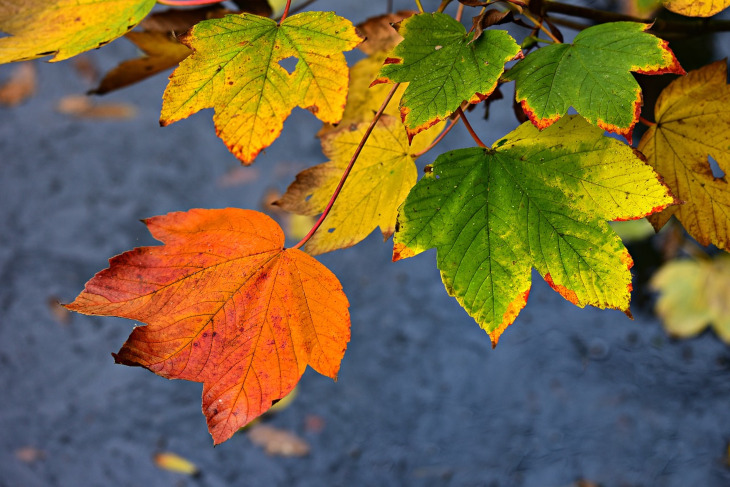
82 107
278 442
29 454
86 69
162 52
20 86
177 21
379 32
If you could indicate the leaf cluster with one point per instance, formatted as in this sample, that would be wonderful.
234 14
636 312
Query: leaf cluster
226 304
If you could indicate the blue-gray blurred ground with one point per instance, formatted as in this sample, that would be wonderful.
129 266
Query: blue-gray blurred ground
421 400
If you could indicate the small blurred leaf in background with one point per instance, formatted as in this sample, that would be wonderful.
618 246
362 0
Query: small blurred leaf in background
175 463
694 294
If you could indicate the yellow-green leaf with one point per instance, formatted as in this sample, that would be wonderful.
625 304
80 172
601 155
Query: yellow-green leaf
377 185
695 8
693 122
535 199
235 69
694 294
65 28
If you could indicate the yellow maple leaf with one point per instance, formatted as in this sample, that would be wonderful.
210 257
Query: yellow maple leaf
693 8
692 123
235 69
379 182
64 27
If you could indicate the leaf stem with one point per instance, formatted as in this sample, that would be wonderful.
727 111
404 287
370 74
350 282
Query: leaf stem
690 26
438 139
420 7
460 12
348 169
646 122
187 3
442 7
470 129
539 23
286 11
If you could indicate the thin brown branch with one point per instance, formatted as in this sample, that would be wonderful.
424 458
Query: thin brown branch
539 24
689 26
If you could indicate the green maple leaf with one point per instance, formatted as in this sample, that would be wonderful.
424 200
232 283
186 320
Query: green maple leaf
64 27
234 68
536 199
443 67
592 75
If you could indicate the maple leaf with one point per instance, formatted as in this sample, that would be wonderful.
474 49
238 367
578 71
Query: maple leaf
162 52
235 69
226 305
693 8
64 28
592 75
536 199
443 67
693 122
377 185
692 295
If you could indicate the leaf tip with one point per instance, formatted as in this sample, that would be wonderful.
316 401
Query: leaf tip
669 64
400 252
509 316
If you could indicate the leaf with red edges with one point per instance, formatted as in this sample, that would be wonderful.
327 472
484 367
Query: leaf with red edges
443 67
535 199
593 75
226 305
235 69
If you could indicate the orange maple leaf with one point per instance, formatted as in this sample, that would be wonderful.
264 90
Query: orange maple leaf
226 305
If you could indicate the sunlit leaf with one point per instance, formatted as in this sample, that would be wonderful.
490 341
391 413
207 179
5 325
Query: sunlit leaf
226 305
377 185
444 67
64 28
535 199
235 69
593 75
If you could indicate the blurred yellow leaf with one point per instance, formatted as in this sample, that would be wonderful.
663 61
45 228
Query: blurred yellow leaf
175 463
694 294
